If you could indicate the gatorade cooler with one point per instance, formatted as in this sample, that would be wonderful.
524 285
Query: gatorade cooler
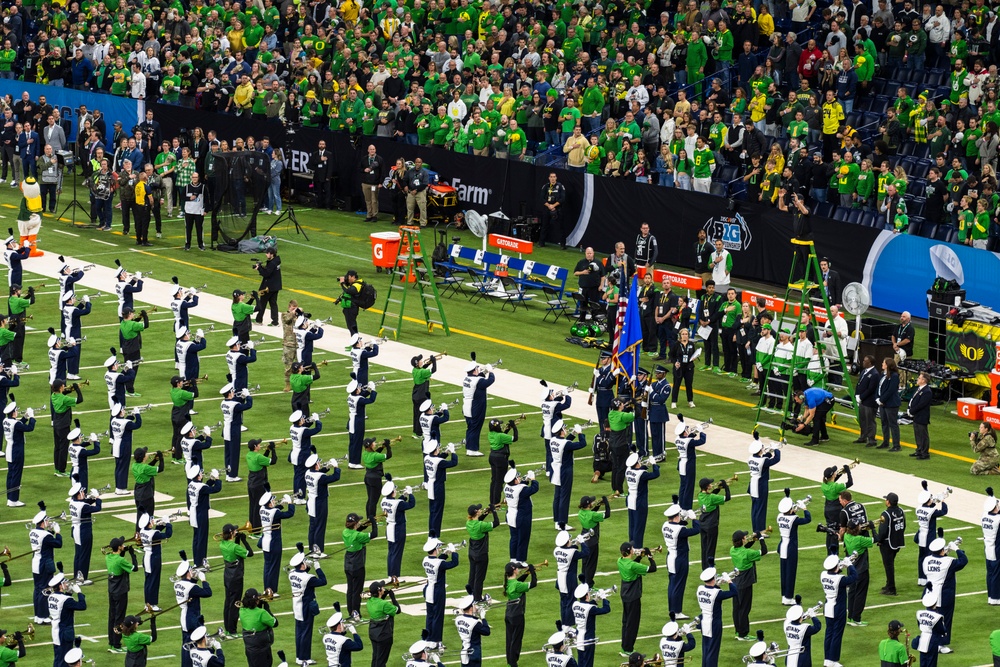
385 247
971 408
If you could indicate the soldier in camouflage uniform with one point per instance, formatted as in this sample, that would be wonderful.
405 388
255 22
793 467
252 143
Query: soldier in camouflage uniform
984 443
288 342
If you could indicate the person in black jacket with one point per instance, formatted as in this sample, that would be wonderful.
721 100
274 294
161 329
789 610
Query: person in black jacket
919 410
891 538
372 172
866 392
553 198
831 280
710 315
270 285
888 401
321 165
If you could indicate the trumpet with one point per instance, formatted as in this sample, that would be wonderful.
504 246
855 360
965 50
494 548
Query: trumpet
319 365
11 640
702 427
604 593
87 267
694 625
518 420
378 341
84 383
954 545
104 489
52 519
771 446
642 552
582 537
753 537
942 496
143 408
567 390
537 472
410 490
813 611
544 563
843 469
245 528
379 382
439 356
804 503
254 389
727 577
731 480
452 547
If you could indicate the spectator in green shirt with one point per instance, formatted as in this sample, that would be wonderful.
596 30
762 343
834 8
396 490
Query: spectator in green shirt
569 118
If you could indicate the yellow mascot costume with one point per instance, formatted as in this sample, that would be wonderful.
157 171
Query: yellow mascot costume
29 218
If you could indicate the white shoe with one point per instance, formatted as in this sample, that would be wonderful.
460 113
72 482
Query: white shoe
72 377
558 526
945 649
473 452
788 602
355 466
690 404
122 492
88 582
192 412
243 429
673 406
154 607
12 183
15 503
299 501
233 479
681 616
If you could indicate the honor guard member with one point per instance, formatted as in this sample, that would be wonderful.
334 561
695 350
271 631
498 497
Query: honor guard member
500 439
182 302
585 612
394 506
61 402
927 513
144 491
69 277
637 482
472 627
421 656
640 398
676 533
517 492
709 500
194 443
135 642
710 598
237 358
658 392
360 354
851 512
233 407
562 445
14 428
300 381
131 330
933 630
79 453
430 421
519 578
856 544
372 459
591 516
43 538
788 522
72 311
686 439
479 545
604 386
991 526
235 549
837 576
300 433
199 653
259 459
152 534
13 255
318 480
436 464
683 354
423 369
81 515
126 287
382 609
258 630
186 350
891 538
620 420
358 397
355 556
198 502
117 377
336 642
182 395
673 646
940 569
631 570
553 404
436 565
306 334
120 430
559 653
119 570
891 651
60 353
305 608
474 386
760 463
271 516
60 612
745 562
567 554
799 628
831 489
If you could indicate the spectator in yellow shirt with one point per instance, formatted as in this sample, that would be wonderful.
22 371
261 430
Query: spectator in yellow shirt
243 97
235 36
575 149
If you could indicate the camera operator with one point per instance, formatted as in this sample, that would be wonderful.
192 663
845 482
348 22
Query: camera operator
270 285
351 285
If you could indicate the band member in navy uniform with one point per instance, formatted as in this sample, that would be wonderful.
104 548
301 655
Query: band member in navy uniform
394 505
676 532
126 287
472 627
81 510
517 492
835 583
560 653
637 482
13 255
760 463
585 612
198 653
318 480
423 369
69 277
271 516
233 406
991 526
686 441
799 627
567 553
300 433
305 608
927 513
474 386
239 355
72 328
430 421
358 396
60 611
562 447
120 431
152 533
360 354
436 565
14 428
659 392
190 587
940 569
788 545
604 384
933 630
117 378
306 334
710 598
553 405
336 643
673 646
79 453
198 505
182 302
436 464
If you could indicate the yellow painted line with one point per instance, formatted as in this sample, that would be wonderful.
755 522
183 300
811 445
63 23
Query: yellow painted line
191 264
8 205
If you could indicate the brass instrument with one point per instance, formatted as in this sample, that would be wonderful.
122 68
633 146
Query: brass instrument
604 593
843 469
134 540
84 383
718 487
567 390
954 545
942 496
439 356
804 503
11 642
518 420
910 658
378 341
143 408
87 267
753 537
814 611
103 489
319 365
245 528
221 636
498 363
206 568
453 547
538 472
582 537
773 652
266 596
544 563
197 380
154 457
653 662
51 519
379 382
254 389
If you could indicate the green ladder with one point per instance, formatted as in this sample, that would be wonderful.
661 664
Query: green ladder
802 293
409 266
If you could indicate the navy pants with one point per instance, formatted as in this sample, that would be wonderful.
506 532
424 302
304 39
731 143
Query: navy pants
231 454
122 464
15 466
317 527
59 651
560 501
304 637
639 428
185 654
678 582
585 656
685 494
199 545
566 608
834 636
788 568
637 525
434 623
656 430
394 560
710 651
299 481
993 579
151 585
548 458
519 538
758 511
473 426
272 567
921 555
40 601
435 516
81 556
356 441
947 609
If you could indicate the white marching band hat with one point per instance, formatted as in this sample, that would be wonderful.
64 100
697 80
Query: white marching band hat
426 405
388 489
708 574
74 434
831 562
429 446
199 633
235 340
295 416
510 476
228 387
312 460
785 505
265 499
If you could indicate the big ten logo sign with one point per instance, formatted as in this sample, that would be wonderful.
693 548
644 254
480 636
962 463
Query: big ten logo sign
733 230
298 161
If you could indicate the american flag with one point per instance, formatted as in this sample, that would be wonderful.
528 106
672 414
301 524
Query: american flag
620 316
628 334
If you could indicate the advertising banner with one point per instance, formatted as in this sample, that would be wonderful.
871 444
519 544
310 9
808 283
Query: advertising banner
68 100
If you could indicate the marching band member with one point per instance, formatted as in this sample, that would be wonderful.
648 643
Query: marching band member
318 481
360 354
561 448
991 526
198 504
891 651
43 538
239 355
745 561
233 406
60 612
198 653
61 352
553 405
135 642
933 630
336 643
372 459
891 538
152 534
658 392
259 459
182 302
518 494
358 396
131 340
566 555
126 287
144 492
472 627
500 439
305 608
788 544
72 328
710 501
182 395
116 380
61 402
421 656
519 578
758 652
856 544
673 646
632 571
14 428
120 431
686 442
382 621
474 387
604 386
591 517
760 463
300 381
13 255
637 482
479 545
675 534
300 433
710 598
194 443
422 371
835 584
429 421
640 398
119 580
394 506
235 549
68 277
242 308
831 490
271 516
17 308
436 464
561 653
940 569
355 555
436 565
927 513
190 586
306 334
258 630
586 611
81 511
79 453
799 627
620 419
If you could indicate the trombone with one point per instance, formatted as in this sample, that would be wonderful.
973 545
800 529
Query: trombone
245 528
134 540
266 596
718 487
753 537
11 641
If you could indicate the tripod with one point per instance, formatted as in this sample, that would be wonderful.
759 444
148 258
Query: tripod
288 215
75 204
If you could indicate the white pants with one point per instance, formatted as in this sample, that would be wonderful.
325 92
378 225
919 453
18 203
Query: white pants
702 184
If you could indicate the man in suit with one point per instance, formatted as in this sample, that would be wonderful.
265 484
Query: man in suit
866 392
831 281
322 167
372 172
919 410
30 149
53 135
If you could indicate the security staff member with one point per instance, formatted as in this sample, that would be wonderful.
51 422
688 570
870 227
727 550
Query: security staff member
518 494
479 545
710 599
271 516
866 392
566 554
561 446
788 523
372 459
422 371
675 535
436 565
835 583
851 512
658 393
394 506
118 588
382 610
318 480
519 578
436 464
258 629
637 479
270 285
305 608
233 406
235 549
477 381
259 459
553 199
709 500
355 554
831 489
500 439
471 627
591 516
686 442
589 273
745 561
81 511
891 538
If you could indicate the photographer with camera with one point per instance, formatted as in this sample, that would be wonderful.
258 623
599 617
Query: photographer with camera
270 285
351 285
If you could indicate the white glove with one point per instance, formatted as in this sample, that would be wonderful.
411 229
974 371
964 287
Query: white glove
214 475
207 431
489 368
857 398
250 344
93 437
94 493
86 298
201 576
75 589
135 411
350 629
245 393
199 333
29 413
314 416
286 499
335 463
531 475
55 528
70 341
128 365
578 429
371 386
408 490
597 373
13 369
138 275
450 448
193 291
616 371
878 401
649 389
846 563
26 244
443 407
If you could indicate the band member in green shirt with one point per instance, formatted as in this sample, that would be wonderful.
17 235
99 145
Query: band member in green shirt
235 549
145 480
258 629
61 403
516 591
831 489
423 369
632 571
744 561
710 501
382 609
299 381
891 651
131 339
355 555
258 460
479 546
591 516
10 654
118 587
135 642
242 310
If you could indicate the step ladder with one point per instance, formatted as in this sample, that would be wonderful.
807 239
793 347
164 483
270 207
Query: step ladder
410 267
829 369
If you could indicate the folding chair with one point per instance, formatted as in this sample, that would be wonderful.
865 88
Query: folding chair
481 285
510 292
554 304
449 284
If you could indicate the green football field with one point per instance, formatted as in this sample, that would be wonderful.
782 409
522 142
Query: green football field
338 242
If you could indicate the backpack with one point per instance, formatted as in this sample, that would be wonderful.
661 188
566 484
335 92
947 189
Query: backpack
366 296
